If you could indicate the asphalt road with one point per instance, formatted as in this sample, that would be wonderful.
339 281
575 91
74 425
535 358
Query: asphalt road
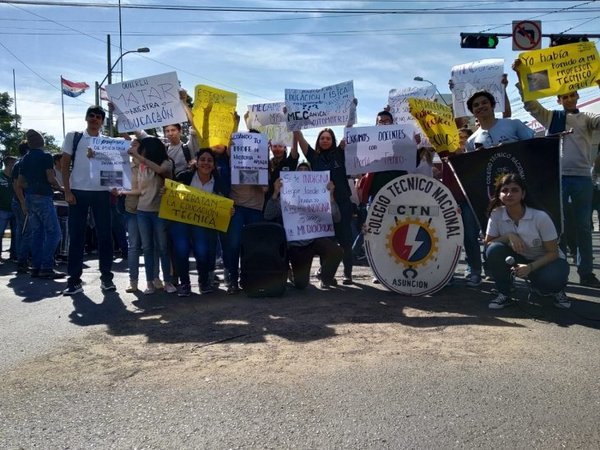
355 367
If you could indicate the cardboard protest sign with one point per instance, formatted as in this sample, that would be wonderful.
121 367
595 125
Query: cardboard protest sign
148 102
306 205
437 122
187 204
213 112
483 75
380 148
536 160
110 165
249 159
558 70
270 120
325 107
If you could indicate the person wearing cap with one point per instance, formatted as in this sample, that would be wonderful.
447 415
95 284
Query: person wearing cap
280 162
37 179
82 194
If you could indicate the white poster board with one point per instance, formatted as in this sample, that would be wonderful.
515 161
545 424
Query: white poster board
306 205
483 75
380 148
318 108
398 102
149 102
249 159
269 119
110 163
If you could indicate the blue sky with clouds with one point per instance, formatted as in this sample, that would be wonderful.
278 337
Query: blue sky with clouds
259 54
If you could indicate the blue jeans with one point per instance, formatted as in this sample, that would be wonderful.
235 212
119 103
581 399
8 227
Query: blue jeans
201 241
45 230
343 234
471 239
153 235
99 203
580 190
550 278
22 235
134 246
232 244
5 217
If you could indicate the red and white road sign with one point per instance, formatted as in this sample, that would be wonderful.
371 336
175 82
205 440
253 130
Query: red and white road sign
527 35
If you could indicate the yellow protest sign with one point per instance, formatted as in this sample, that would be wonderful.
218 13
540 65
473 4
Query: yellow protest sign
187 204
558 70
437 122
214 115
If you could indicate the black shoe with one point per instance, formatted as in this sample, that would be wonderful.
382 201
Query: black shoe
108 286
35 273
73 289
347 280
22 268
233 289
51 274
589 280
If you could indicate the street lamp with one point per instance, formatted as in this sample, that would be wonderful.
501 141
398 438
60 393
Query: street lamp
436 89
109 75
110 70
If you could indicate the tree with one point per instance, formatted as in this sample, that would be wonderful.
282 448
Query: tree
9 130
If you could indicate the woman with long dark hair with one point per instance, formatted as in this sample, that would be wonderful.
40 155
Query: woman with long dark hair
154 167
524 240
327 155
200 240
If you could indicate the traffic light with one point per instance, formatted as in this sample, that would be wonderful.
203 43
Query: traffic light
478 40
564 39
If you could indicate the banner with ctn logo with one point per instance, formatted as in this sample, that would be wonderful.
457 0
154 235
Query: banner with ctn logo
414 235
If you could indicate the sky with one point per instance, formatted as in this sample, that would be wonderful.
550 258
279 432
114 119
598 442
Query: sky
259 48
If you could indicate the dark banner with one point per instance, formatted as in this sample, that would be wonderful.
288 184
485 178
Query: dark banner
536 160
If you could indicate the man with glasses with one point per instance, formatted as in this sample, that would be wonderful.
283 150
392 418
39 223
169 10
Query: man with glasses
83 194
493 131
576 163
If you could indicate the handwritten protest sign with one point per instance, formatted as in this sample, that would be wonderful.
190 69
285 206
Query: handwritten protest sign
398 102
325 107
249 159
109 166
147 102
305 205
269 119
437 122
483 75
214 115
558 70
194 206
381 148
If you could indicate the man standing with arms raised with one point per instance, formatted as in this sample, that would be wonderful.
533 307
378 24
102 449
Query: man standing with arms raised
83 194
576 162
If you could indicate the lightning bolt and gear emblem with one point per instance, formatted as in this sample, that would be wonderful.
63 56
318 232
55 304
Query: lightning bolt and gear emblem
412 242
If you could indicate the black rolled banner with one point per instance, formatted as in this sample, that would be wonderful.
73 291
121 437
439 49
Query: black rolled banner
536 160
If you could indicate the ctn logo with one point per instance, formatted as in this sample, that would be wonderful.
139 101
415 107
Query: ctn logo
411 242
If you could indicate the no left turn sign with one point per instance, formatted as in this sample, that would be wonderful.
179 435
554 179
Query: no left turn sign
527 35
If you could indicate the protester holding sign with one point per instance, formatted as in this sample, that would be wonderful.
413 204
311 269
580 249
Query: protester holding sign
302 252
327 155
154 167
201 241
281 161
523 240
576 163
